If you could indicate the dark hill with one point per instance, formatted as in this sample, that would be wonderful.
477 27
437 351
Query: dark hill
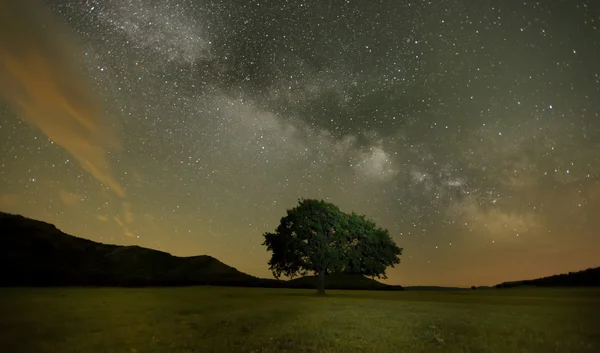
35 253
585 278
433 288
342 281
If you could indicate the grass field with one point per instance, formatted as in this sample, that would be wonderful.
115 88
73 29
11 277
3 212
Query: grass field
213 319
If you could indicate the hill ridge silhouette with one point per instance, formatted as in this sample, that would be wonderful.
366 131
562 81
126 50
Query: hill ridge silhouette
37 253
585 278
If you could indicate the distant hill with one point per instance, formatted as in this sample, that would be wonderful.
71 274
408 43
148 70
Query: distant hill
36 253
342 281
433 288
585 278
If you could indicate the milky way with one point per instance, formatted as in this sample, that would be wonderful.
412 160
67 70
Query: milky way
471 132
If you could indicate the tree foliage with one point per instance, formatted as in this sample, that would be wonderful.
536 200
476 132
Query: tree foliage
316 236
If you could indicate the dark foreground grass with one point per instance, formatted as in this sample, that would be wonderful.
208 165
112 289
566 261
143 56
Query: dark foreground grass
212 319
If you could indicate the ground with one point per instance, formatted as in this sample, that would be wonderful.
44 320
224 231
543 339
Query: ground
213 319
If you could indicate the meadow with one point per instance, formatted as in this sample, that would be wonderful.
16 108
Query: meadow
221 319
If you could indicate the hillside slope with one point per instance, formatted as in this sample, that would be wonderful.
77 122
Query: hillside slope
585 278
342 281
37 253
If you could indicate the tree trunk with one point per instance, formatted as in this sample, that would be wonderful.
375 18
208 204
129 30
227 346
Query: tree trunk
321 284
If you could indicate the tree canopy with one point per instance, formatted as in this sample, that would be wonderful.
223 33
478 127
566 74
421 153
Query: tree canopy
316 236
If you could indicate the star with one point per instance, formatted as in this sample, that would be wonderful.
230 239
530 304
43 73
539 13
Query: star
190 127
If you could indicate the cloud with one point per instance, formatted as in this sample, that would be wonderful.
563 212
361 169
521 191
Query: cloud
119 221
39 79
8 201
69 198
123 224
493 220
127 214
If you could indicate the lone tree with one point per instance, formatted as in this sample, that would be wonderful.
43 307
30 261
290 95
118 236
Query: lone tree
317 236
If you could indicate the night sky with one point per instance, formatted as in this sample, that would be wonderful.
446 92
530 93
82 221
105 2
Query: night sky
469 129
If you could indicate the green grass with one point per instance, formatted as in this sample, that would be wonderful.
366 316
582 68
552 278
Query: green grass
213 319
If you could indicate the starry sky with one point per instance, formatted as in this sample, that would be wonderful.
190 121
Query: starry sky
470 131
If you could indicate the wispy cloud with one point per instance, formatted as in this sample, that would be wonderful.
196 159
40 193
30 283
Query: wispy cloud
40 80
69 198
8 201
